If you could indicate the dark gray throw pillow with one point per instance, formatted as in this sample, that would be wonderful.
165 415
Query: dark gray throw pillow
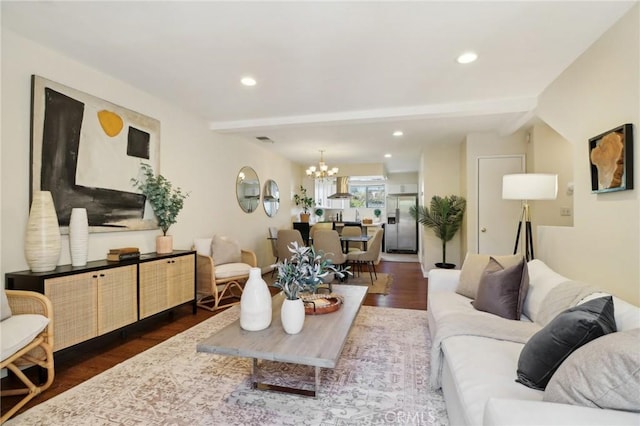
571 329
502 291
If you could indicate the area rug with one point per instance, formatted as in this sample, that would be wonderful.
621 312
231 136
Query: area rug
382 378
381 285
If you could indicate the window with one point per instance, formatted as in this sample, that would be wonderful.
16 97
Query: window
369 196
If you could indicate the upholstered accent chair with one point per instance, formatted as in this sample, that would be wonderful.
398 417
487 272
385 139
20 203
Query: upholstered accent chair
221 272
285 238
353 231
26 330
369 257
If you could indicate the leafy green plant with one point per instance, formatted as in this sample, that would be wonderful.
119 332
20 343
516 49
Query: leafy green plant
303 273
319 212
165 200
444 216
377 213
303 200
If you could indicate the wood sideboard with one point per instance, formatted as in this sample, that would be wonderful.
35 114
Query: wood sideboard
101 297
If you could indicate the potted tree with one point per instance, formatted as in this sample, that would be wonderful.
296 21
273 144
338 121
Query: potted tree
165 200
444 216
302 273
304 201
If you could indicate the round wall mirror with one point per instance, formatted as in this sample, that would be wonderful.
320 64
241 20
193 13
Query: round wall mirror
271 197
248 189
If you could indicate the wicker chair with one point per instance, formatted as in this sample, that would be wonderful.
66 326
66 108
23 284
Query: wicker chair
218 283
31 318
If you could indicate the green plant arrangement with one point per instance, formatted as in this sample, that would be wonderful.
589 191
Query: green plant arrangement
444 216
165 200
377 213
304 272
319 212
303 200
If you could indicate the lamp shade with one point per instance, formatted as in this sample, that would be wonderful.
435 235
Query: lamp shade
530 186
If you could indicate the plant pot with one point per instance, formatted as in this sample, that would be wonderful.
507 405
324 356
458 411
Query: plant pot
164 244
292 316
255 303
445 265
304 217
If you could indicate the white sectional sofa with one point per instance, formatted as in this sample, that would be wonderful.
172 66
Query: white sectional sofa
478 372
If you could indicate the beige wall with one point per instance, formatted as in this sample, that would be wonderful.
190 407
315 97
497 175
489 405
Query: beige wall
192 157
440 175
484 145
599 91
549 152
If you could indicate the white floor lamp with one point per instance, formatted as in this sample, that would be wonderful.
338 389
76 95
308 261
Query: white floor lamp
527 187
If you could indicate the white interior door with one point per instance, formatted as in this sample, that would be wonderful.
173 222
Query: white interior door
497 218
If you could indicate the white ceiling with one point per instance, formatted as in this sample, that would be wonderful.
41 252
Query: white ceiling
338 76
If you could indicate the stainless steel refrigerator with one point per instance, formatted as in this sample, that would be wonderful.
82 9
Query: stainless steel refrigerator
401 230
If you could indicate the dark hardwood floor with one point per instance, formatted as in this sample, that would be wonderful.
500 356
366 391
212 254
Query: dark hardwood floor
74 366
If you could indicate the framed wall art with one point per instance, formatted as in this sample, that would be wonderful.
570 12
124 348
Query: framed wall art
611 160
85 150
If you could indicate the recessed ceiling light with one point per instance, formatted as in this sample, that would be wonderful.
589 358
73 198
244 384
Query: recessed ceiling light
248 81
387 156
467 57
398 133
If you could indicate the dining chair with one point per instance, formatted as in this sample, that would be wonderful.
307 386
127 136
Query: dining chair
369 257
273 238
285 238
353 231
327 244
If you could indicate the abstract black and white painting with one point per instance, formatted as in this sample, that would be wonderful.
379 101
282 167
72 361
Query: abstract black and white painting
85 150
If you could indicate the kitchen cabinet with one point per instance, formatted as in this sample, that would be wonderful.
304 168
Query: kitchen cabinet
403 188
102 297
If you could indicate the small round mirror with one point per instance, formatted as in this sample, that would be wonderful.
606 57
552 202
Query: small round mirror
271 197
248 189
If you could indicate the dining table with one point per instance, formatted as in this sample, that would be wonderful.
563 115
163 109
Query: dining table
344 240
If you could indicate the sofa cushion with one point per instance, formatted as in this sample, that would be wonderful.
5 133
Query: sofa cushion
604 373
481 368
5 309
473 267
542 280
229 270
502 290
18 331
225 250
548 348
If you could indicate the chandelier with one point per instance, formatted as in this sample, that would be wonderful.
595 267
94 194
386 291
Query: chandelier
322 170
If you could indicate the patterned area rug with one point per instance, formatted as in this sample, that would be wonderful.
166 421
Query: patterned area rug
381 378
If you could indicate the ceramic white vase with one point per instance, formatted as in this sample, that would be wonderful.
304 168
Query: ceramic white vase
78 236
164 244
292 316
255 303
42 238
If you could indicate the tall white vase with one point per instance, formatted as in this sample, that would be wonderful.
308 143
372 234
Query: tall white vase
255 303
42 238
292 315
78 236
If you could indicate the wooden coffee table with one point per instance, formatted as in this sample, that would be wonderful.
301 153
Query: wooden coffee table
319 344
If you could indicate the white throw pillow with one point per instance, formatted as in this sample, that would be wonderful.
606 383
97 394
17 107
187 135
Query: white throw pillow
5 309
604 373
203 246
541 280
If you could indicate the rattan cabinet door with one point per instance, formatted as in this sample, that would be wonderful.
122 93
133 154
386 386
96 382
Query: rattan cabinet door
181 285
117 298
153 287
74 300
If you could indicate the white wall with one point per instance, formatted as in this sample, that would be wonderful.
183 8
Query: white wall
599 91
192 157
